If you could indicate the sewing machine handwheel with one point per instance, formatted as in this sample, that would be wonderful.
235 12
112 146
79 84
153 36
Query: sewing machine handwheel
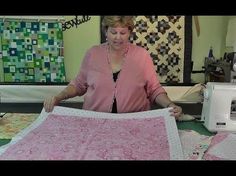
234 67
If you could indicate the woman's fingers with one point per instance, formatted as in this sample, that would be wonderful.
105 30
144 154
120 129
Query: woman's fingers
49 104
176 111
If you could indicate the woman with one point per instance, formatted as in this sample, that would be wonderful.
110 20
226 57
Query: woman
116 76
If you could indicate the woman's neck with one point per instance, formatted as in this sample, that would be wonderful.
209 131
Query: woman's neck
118 52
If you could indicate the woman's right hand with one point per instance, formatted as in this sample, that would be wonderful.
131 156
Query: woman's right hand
49 103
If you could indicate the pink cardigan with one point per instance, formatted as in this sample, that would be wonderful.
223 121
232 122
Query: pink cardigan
135 89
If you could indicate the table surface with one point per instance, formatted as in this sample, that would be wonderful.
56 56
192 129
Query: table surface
4 141
194 125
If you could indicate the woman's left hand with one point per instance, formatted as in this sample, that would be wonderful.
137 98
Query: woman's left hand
175 111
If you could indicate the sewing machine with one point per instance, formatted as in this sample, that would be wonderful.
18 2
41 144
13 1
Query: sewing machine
221 70
219 107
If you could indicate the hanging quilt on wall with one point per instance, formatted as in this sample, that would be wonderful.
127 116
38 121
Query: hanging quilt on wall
32 51
169 41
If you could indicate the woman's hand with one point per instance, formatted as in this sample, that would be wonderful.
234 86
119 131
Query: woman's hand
49 103
175 111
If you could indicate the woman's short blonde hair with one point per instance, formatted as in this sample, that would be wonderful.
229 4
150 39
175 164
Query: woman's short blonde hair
113 21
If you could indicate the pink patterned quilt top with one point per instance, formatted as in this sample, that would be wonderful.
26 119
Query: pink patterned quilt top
218 138
61 137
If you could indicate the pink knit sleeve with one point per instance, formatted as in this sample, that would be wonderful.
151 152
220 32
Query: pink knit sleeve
154 88
80 82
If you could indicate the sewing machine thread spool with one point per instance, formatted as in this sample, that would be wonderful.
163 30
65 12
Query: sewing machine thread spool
210 55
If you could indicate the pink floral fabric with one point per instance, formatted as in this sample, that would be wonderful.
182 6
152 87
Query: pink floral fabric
71 138
194 144
220 136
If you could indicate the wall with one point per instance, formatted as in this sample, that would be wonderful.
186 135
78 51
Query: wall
212 33
77 41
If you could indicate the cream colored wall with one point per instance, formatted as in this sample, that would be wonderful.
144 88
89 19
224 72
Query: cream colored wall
77 41
212 33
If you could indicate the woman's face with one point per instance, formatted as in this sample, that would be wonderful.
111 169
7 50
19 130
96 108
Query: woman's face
118 37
